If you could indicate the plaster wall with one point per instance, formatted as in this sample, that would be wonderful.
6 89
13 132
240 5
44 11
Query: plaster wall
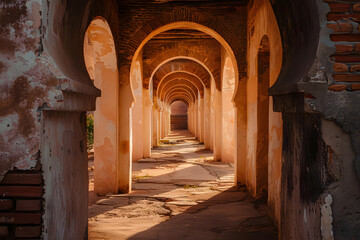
303 177
218 126
24 87
263 22
147 123
207 121
201 118
137 111
178 108
100 60
343 222
64 160
228 111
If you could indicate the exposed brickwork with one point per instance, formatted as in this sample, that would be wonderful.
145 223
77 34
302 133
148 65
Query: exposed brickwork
344 19
21 205
177 82
207 51
180 90
337 88
178 122
138 20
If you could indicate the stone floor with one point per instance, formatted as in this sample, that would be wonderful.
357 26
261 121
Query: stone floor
180 194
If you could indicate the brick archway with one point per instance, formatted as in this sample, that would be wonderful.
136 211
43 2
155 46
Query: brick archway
178 82
181 65
184 76
177 52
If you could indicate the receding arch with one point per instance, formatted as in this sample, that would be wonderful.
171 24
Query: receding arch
176 90
179 99
198 58
182 75
179 115
167 21
178 82
181 65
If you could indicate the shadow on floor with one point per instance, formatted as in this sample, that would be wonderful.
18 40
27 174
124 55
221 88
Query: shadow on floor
232 214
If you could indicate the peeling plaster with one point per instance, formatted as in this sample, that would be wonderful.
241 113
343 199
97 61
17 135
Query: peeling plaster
326 219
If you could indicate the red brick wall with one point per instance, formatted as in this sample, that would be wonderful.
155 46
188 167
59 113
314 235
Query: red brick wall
21 205
178 122
343 19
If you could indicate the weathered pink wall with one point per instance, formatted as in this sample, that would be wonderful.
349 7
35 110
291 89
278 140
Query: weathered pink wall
137 110
100 60
264 19
178 108
66 175
228 111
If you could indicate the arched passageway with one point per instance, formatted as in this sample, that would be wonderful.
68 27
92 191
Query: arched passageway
179 119
298 149
185 76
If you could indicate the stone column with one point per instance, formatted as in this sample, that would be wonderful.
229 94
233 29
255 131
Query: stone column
218 126
125 138
207 127
147 117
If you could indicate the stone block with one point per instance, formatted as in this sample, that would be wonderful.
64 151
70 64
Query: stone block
355 68
346 77
4 231
344 48
345 37
340 27
20 218
355 86
23 179
21 191
340 67
339 7
337 88
27 231
6 204
28 205
356 7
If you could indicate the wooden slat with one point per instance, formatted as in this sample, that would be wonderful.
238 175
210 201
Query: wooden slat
20 218
20 191
6 204
27 231
22 178
28 205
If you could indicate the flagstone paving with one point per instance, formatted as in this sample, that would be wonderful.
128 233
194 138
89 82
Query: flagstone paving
180 194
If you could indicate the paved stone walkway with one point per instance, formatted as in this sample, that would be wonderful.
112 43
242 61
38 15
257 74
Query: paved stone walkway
181 194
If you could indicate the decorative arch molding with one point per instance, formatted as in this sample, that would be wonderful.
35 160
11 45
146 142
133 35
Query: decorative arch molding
180 92
182 53
179 89
182 75
177 82
184 66
180 96
179 99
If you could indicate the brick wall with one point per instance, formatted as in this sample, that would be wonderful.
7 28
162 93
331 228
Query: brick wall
21 205
178 122
344 19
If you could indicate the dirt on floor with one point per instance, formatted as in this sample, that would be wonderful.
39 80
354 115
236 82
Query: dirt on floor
179 194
